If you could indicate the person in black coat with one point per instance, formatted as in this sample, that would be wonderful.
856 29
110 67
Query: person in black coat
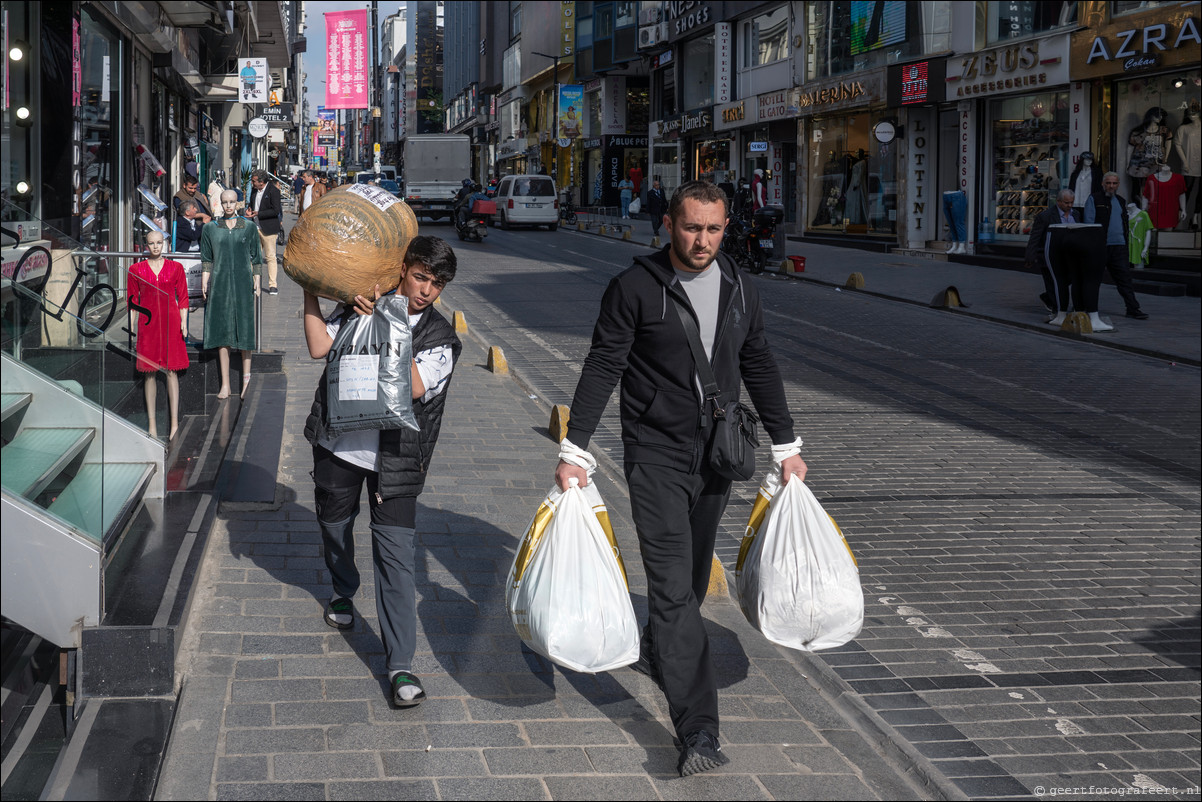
676 497
187 227
1055 295
266 209
657 204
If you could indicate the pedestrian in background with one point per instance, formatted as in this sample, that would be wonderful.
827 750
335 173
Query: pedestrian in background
191 192
188 227
627 188
1055 295
310 194
393 464
1108 208
232 262
266 209
676 499
657 204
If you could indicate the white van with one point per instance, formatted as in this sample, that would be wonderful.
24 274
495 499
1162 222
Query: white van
527 200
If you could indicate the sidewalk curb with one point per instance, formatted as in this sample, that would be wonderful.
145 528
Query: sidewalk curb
1034 327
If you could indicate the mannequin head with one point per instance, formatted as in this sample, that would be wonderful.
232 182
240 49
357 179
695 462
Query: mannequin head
1087 158
1155 115
1132 209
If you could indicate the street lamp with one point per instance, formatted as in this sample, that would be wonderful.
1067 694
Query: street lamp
555 122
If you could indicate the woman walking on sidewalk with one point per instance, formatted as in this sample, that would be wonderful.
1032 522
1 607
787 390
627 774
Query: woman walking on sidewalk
393 463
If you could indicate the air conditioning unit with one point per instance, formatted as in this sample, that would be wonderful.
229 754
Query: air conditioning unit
650 13
652 35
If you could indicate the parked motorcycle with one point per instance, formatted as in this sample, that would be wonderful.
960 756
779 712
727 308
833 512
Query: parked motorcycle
473 227
761 238
734 241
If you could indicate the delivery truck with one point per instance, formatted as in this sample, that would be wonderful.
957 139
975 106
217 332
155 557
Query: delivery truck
434 169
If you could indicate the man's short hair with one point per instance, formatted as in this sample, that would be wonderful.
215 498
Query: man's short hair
1071 195
261 175
307 172
434 254
1109 174
190 179
188 205
702 191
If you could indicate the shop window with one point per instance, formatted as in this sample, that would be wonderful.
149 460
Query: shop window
584 33
1030 160
713 161
766 38
1158 123
1120 7
697 71
665 92
638 108
1015 19
850 35
853 178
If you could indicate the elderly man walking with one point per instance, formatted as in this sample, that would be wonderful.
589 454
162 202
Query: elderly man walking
1110 209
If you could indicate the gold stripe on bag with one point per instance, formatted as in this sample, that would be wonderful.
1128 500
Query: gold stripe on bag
530 542
758 513
846 545
603 518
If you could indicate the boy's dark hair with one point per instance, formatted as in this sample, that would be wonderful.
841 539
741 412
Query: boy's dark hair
702 191
434 254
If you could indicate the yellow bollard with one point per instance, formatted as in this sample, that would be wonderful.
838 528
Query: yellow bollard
460 323
496 360
655 243
626 235
1077 322
855 281
559 422
717 580
580 226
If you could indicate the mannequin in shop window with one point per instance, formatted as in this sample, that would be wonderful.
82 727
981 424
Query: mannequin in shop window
1086 179
856 208
1150 142
758 190
1139 236
1164 197
1188 146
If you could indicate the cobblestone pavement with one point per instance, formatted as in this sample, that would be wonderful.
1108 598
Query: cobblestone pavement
276 705
1024 506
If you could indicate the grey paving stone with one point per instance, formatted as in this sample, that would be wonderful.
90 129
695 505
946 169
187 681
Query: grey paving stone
248 715
384 789
268 741
270 791
544 733
320 713
242 769
474 788
377 737
275 690
434 763
323 766
600 788
654 760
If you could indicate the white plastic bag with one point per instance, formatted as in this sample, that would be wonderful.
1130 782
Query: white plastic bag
567 593
635 206
796 577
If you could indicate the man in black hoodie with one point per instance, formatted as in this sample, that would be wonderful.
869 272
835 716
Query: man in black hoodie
676 499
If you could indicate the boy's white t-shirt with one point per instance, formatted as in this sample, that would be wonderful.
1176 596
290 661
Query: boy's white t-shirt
434 366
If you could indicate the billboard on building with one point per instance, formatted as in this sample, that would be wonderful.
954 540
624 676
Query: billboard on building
346 59
571 110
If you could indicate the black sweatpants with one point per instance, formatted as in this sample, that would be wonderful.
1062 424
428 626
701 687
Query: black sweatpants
676 514
1118 265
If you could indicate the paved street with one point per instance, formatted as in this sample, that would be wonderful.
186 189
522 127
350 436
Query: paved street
1024 508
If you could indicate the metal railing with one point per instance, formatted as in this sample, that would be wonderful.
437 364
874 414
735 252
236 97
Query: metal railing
608 217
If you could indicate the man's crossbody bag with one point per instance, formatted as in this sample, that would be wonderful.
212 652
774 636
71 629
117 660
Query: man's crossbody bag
734 439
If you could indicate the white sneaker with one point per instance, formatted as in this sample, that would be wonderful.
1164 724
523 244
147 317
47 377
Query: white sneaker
1099 325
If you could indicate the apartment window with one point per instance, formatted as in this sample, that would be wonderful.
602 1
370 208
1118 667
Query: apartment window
603 25
665 92
515 20
1120 7
697 70
766 38
584 33
1014 19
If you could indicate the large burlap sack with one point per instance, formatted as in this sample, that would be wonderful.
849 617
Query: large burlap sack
349 240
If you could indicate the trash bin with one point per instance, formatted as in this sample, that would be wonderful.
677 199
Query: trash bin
799 263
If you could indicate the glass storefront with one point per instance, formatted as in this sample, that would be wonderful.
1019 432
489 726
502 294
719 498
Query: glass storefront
1029 140
712 160
666 165
852 177
101 146
1157 122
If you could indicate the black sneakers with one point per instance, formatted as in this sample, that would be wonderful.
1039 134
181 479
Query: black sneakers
1138 314
340 613
407 690
700 752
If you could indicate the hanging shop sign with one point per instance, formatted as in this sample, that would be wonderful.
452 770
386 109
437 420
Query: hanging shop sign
281 114
1166 37
684 17
1038 64
724 59
917 84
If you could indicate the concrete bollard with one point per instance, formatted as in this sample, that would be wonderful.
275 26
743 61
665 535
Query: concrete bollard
626 235
460 323
717 580
655 243
580 226
496 360
602 230
855 281
1077 322
558 427
438 301
948 299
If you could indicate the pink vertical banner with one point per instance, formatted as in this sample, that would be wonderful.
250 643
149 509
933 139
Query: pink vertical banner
346 59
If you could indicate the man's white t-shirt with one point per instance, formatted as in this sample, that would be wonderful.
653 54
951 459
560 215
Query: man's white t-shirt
434 366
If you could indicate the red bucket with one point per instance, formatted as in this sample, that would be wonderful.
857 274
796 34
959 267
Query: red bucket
799 263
